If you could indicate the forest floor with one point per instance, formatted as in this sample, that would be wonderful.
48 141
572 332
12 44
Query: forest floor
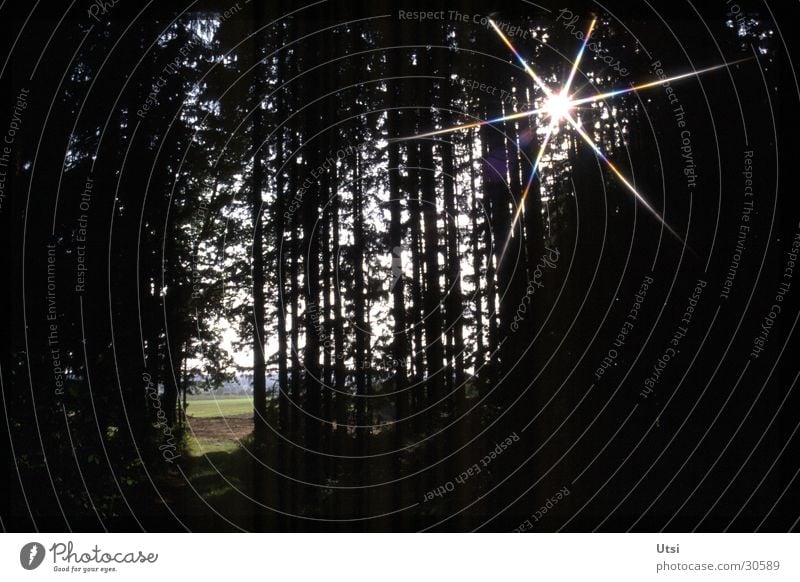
217 433
218 466
220 469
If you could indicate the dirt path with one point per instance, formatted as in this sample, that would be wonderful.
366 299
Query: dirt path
220 472
220 430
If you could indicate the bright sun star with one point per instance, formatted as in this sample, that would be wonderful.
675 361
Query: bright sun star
559 105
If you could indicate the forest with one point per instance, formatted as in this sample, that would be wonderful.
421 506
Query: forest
428 333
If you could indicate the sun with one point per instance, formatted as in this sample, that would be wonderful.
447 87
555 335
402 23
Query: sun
557 107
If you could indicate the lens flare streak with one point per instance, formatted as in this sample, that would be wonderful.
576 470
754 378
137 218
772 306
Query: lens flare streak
472 125
558 106
615 93
576 126
562 107
563 110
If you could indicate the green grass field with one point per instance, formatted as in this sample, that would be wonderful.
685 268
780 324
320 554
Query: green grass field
226 406
216 462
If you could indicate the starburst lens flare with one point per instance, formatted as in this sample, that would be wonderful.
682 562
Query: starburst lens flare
559 106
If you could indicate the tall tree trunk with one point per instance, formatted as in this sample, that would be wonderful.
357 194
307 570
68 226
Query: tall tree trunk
174 299
327 323
257 258
154 334
455 300
341 401
512 274
294 292
476 212
491 185
295 432
415 210
281 306
433 296
359 241
399 341
281 299
313 319
534 228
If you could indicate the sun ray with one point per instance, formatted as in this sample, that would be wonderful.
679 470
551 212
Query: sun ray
576 126
555 116
577 62
471 125
616 92
528 185
571 102
563 110
537 79
560 104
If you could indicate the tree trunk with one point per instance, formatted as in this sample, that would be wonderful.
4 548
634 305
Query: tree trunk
339 371
399 341
313 320
454 301
491 185
433 295
477 266
418 392
359 242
